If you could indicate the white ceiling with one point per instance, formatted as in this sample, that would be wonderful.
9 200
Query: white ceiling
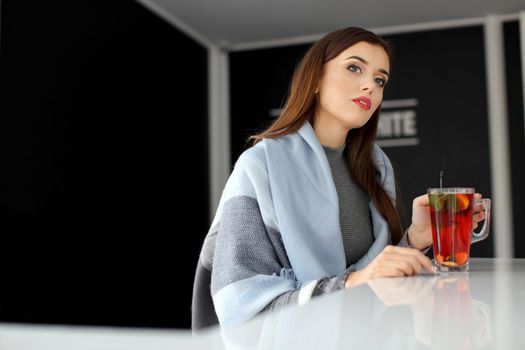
229 22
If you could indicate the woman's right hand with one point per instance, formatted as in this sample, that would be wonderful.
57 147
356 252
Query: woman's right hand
392 262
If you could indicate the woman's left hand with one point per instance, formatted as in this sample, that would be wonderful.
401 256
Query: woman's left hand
420 231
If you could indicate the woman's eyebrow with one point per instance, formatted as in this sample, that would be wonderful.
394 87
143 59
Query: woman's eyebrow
366 62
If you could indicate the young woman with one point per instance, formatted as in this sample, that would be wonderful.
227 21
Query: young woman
310 208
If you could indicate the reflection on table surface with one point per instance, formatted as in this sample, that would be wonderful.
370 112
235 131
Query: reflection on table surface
475 310
481 309
443 312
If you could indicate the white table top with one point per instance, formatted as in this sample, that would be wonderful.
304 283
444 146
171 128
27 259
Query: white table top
479 309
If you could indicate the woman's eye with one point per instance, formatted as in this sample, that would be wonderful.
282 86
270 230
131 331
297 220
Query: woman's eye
380 81
354 68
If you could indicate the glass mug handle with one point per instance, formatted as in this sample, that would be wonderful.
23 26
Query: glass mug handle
476 237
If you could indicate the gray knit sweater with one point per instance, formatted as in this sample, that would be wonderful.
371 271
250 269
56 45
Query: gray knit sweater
354 214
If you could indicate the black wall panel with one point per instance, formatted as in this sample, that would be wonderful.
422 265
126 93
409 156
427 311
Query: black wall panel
445 71
259 81
104 158
516 131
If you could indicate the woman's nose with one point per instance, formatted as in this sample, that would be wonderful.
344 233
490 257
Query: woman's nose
368 86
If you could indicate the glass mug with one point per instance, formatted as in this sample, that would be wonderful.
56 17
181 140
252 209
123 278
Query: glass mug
451 216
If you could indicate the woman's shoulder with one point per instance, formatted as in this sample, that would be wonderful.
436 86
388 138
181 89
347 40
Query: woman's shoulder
253 155
379 157
272 149
250 170
385 169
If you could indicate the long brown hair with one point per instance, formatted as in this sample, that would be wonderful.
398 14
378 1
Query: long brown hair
302 104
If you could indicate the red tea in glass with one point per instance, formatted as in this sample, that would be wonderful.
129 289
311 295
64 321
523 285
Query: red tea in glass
451 216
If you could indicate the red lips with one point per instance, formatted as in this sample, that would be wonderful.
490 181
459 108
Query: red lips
363 102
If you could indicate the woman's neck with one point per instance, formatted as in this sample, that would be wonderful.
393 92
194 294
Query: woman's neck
330 134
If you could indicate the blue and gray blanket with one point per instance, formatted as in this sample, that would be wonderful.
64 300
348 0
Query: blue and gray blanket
277 229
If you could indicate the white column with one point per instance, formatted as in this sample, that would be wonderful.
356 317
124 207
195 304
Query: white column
218 124
498 135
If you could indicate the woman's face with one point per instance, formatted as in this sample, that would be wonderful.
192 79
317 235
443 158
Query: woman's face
351 86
